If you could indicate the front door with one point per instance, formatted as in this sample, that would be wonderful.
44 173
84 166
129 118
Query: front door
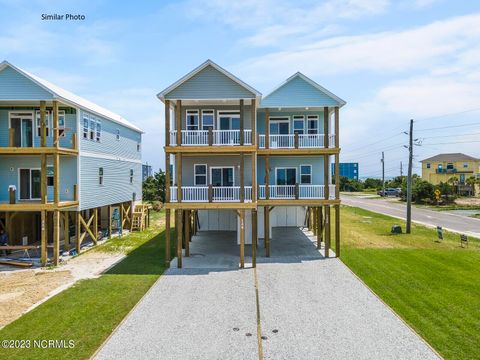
29 184
22 124
279 128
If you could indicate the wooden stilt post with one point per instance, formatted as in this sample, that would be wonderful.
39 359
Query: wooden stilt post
242 238
337 230
254 237
109 221
253 116
315 223
78 231
167 237
187 232
95 225
56 237
242 177
43 237
327 231
179 231
320 227
66 231
267 177
266 219
56 141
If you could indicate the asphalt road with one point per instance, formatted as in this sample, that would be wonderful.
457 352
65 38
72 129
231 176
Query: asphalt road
449 221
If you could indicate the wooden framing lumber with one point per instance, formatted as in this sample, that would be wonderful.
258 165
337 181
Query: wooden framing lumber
66 231
178 122
242 122
43 237
178 229
337 230
56 178
266 220
187 232
254 237
56 237
167 237
167 123
253 116
327 231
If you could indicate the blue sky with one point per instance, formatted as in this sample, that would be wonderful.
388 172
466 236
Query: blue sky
390 60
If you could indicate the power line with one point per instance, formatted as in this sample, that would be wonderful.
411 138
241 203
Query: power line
452 143
449 127
447 115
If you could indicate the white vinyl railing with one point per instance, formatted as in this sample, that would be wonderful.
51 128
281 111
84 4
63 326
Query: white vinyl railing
287 141
219 137
304 192
219 193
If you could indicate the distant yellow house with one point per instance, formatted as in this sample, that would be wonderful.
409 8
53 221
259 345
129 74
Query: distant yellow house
441 167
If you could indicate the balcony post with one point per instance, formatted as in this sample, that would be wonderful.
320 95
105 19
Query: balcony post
267 128
297 191
56 139
56 178
167 122
167 237
295 138
178 169
210 193
179 233
242 116
254 177
167 177
210 137
253 109
267 177
11 139
43 124
242 178
178 121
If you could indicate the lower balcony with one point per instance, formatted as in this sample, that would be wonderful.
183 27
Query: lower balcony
211 194
303 192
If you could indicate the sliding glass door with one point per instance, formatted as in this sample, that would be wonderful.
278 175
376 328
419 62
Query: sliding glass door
22 125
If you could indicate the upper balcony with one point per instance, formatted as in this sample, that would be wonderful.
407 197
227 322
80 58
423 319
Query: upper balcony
212 137
295 141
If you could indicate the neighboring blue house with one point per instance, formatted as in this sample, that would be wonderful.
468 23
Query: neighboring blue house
236 154
71 163
348 170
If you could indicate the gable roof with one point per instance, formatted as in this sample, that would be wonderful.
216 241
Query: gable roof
300 91
68 97
451 157
195 72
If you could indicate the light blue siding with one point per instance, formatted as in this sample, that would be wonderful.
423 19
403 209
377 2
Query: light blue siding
247 113
209 83
116 186
116 157
9 166
289 113
291 161
15 86
66 141
298 93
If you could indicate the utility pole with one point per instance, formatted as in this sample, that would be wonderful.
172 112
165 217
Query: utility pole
409 179
401 169
383 173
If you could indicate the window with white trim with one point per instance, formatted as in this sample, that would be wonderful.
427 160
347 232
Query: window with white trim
131 176
207 119
298 124
100 176
305 174
92 128
192 120
61 123
139 146
98 132
312 124
39 125
117 136
85 126
200 174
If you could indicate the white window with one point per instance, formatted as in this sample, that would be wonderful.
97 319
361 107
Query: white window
131 176
298 124
200 171
61 123
100 176
192 119
305 174
312 124
428 165
207 119
139 147
118 135
228 120
85 126
39 125
279 125
465 165
92 128
98 133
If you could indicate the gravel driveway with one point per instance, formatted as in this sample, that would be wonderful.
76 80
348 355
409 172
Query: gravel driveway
309 308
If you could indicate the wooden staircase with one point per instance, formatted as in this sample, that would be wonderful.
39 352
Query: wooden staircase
139 218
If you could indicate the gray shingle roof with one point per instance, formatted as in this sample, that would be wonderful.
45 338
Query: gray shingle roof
451 157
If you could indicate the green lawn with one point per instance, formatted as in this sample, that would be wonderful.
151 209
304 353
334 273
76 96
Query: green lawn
434 287
89 311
